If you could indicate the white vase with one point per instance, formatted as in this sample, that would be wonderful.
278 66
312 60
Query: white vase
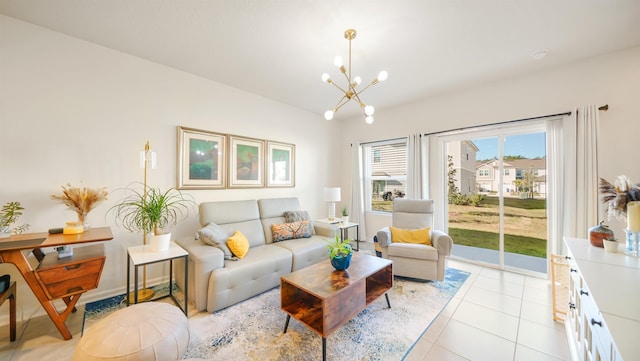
160 242
345 220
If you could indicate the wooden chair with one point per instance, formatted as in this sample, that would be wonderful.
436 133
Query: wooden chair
10 294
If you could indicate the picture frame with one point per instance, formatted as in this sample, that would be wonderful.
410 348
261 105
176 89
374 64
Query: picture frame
280 164
246 162
201 159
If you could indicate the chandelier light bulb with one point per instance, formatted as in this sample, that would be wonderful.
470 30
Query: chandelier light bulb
328 115
357 80
368 120
325 77
383 76
337 61
369 110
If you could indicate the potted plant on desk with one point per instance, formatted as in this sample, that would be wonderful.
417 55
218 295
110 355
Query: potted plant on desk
9 214
340 253
152 210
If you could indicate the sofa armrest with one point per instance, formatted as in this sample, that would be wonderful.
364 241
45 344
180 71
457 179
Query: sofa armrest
442 242
325 230
384 237
203 259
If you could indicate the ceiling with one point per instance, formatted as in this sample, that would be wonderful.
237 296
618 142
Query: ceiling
279 48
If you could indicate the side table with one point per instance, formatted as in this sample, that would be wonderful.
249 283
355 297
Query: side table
142 256
343 228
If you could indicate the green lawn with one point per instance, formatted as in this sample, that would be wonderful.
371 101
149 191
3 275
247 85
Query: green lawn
516 202
513 244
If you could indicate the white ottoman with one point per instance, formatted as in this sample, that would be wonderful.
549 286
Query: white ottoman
146 331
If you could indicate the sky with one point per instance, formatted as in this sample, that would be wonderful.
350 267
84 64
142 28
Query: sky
529 145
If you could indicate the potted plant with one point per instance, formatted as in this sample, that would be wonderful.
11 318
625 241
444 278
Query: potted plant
340 253
9 214
152 210
345 215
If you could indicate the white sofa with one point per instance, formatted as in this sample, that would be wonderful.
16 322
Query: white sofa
216 283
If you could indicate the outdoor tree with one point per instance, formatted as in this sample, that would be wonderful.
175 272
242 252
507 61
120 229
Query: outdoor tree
451 179
528 178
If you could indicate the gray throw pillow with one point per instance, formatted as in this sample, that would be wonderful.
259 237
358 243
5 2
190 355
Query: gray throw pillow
215 236
296 216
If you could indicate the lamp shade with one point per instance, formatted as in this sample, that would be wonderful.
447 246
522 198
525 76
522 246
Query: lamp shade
332 194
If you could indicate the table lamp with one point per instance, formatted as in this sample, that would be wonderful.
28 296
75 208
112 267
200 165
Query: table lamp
332 195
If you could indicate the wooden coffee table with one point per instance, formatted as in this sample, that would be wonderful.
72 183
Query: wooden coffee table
324 299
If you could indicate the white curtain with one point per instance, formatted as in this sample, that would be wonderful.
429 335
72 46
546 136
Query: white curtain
357 196
417 169
573 167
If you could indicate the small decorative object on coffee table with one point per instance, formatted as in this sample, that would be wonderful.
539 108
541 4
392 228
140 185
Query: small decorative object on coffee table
340 253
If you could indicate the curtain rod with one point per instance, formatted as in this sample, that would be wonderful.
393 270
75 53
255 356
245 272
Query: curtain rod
604 108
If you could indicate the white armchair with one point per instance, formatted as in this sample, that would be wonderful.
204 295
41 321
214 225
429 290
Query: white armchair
412 259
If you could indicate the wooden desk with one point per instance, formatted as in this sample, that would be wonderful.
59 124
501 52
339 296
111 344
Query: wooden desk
11 251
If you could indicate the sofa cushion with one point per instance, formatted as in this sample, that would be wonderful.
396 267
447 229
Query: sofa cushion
214 235
295 216
238 244
272 211
306 251
293 230
401 235
411 250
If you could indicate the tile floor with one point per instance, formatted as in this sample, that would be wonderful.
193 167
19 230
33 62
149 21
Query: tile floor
495 316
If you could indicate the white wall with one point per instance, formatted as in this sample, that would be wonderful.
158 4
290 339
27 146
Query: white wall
73 111
608 79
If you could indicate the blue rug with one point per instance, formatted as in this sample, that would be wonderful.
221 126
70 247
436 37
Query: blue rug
252 330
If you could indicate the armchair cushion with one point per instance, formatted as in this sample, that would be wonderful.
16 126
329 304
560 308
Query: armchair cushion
418 236
412 250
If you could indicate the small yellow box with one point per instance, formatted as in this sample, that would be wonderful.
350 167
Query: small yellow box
73 228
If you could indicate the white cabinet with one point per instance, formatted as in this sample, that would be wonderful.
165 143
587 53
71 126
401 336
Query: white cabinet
604 309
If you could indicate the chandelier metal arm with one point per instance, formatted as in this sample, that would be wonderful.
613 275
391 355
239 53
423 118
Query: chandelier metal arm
344 100
351 93
337 86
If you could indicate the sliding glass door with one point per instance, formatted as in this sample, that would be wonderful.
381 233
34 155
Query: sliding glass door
497 196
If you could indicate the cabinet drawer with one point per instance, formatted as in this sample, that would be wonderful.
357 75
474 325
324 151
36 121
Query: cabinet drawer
70 271
72 286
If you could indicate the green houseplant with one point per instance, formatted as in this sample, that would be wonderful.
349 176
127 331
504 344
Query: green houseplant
9 214
345 215
152 210
340 253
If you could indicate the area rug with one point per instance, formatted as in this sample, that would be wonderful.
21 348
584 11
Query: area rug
252 330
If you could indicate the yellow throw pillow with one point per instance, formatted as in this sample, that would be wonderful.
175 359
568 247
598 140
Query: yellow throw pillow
238 244
420 236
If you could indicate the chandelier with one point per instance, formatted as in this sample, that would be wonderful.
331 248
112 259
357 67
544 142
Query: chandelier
351 93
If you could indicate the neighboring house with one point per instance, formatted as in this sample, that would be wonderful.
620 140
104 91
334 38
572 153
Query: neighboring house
463 156
514 173
389 170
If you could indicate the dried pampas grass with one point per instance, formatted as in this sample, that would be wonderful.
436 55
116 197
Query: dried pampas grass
81 199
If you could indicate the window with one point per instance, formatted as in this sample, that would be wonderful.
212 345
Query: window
506 171
385 169
376 155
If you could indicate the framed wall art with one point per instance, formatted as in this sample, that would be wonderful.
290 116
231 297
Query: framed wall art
280 164
246 162
201 159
